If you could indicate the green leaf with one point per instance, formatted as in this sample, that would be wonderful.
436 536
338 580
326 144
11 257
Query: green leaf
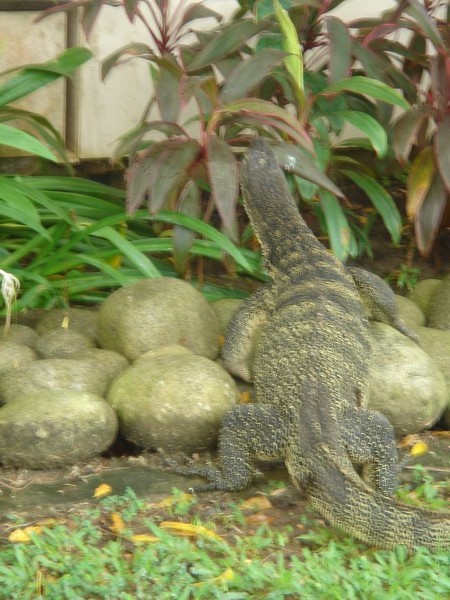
15 138
341 44
250 73
293 62
442 149
369 87
223 175
207 231
137 258
420 177
337 225
15 205
382 201
368 125
36 76
227 40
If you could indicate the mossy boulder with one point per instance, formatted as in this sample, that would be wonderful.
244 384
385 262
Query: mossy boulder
154 312
76 319
14 355
52 428
172 399
439 307
406 384
109 362
62 343
19 334
54 373
436 343
409 312
423 292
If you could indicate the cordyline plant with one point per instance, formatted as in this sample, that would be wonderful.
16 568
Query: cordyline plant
225 80
420 66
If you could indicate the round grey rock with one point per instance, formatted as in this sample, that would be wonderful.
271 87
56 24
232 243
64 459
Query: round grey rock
14 355
423 292
409 312
172 399
76 319
439 308
20 334
62 343
154 312
54 373
406 385
225 309
109 362
48 429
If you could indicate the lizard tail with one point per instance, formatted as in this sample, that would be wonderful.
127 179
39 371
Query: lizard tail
339 495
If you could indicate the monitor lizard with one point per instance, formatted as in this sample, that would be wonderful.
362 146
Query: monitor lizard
310 367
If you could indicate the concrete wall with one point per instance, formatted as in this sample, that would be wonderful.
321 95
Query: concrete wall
103 110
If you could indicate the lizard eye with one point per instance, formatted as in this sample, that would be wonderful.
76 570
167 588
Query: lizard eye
289 162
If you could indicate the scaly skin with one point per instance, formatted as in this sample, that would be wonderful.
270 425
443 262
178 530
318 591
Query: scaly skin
310 368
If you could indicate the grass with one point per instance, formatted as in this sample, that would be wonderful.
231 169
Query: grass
197 547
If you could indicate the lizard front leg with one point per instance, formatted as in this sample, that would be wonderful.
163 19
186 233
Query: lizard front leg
243 332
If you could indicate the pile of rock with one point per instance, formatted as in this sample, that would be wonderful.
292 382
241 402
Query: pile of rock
147 362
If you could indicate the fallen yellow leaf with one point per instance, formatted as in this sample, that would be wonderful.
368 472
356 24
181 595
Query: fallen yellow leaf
24 535
171 500
245 397
227 575
256 503
102 490
117 525
140 538
419 449
188 529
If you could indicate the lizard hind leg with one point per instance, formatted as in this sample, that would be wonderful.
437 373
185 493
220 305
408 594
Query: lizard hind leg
370 443
248 432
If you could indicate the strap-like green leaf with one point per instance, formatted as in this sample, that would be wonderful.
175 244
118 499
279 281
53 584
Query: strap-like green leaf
15 138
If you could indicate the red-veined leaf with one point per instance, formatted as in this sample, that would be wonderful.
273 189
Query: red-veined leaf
130 8
228 39
223 175
138 176
382 201
133 50
198 11
420 178
429 216
90 14
442 149
293 160
167 91
341 44
129 141
406 129
425 22
249 73
170 171
258 109
182 237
